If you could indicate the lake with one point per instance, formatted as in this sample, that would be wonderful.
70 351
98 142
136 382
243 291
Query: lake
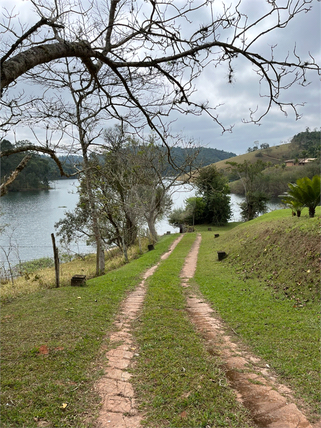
31 216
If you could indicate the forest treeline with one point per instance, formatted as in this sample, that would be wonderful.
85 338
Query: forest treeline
41 169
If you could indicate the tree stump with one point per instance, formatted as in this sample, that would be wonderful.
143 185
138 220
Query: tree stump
78 280
221 255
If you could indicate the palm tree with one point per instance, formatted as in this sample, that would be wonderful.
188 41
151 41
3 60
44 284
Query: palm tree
295 205
305 193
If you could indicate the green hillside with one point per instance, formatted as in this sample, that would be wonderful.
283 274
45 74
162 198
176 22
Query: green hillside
303 145
278 172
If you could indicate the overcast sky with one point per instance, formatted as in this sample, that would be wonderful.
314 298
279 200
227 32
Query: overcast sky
236 98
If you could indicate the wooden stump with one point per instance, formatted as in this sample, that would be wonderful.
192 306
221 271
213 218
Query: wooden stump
78 280
221 255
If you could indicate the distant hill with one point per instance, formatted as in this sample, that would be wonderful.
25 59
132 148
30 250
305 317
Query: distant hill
303 145
206 156
69 164
38 172
278 173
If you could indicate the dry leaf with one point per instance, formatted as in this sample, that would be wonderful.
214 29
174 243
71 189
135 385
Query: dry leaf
43 350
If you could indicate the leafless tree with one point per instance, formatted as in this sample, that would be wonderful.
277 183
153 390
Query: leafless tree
143 58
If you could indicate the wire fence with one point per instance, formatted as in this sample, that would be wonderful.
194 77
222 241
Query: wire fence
15 260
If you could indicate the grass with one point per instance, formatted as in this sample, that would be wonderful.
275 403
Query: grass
33 280
178 383
275 155
267 290
50 342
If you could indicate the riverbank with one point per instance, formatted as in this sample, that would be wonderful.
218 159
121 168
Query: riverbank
30 218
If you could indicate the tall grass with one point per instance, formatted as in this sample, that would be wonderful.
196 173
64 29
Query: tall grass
33 277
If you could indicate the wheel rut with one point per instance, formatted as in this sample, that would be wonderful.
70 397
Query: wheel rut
118 405
271 404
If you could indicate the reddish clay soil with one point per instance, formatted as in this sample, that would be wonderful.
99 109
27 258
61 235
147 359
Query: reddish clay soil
270 403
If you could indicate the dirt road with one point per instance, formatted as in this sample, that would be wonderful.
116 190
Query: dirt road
271 404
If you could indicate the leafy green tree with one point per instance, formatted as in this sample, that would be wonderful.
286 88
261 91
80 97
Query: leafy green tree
193 213
254 204
195 209
296 206
307 143
250 175
128 191
305 192
178 217
214 190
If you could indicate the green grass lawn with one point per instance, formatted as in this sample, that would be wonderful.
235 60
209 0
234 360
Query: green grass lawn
267 290
70 323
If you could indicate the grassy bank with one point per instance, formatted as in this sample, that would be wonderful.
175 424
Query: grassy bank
178 383
267 290
50 342
34 279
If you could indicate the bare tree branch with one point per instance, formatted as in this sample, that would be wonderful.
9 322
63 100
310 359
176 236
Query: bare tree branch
31 147
139 61
13 175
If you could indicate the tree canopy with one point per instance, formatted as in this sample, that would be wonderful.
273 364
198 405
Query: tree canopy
250 174
140 61
212 203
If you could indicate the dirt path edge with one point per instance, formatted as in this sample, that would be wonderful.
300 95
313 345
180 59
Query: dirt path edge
118 405
271 404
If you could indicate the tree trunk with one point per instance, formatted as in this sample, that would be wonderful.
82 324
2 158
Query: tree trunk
56 258
125 253
311 212
100 256
151 227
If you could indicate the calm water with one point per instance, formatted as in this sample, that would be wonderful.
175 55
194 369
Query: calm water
31 216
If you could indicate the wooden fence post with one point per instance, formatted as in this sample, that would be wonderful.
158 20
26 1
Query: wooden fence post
55 250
